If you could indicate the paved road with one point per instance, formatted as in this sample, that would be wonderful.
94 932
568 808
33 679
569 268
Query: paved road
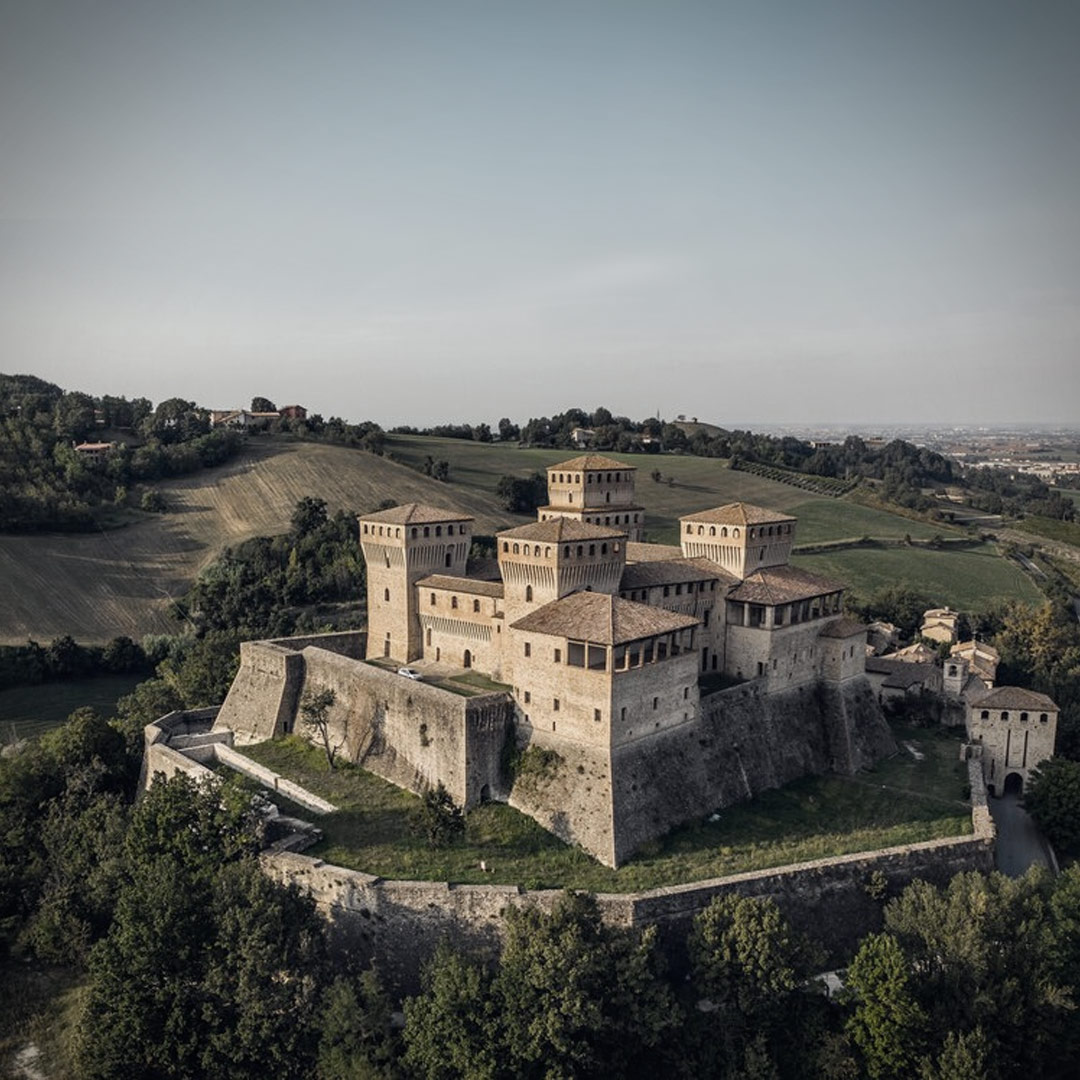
1019 843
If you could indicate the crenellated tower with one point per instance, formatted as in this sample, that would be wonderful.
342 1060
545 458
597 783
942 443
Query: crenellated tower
401 546
550 559
594 490
739 537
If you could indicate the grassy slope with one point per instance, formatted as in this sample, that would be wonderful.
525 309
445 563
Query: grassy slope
27 711
1065 532
95 586
968 580
121 582
812 818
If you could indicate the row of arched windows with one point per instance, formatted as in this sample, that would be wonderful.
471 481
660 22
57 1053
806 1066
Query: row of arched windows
1043 718
523 549
387 530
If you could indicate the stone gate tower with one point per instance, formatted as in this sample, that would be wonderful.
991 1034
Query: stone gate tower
400 547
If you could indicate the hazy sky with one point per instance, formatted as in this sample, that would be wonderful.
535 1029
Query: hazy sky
411 212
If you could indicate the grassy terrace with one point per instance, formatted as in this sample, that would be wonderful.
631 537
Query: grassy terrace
969 579
901 801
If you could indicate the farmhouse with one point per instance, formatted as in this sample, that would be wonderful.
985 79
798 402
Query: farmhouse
656 683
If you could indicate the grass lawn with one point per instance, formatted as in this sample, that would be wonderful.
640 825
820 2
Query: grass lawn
841 519
968 580
27 711
900 801
698 483
1065 532
39 1005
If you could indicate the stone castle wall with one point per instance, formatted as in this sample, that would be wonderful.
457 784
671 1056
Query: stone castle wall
399 924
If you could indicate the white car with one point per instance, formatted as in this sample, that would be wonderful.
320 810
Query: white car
409 673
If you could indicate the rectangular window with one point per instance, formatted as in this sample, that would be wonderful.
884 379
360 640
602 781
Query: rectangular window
558 656
655 702
648 652
555 705
622 713
528 697
575 654
528 649
634 655
596 715
661 649
618 658
597 658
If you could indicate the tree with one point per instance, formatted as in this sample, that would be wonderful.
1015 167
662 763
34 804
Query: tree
451 1027
888 1024
262 404
356 1037
308 515
440 470
315 706
508 431
1053 800
437 819
749 964
153 502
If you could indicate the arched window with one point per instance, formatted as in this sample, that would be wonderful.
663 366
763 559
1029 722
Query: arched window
580 551
449 530
536 550
723 530
607 496
1043 718
701 530
735 533
1023 718
449 557
689 529
438 530
415 530
517 549
985 714
427 530
432 599
1004 716
566 552
506 547
592 549
603 549
547 552
712 530
453 602
476 605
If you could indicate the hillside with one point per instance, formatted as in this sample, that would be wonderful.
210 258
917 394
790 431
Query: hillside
95 586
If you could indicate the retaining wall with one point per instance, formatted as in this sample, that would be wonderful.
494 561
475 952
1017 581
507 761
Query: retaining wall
398 924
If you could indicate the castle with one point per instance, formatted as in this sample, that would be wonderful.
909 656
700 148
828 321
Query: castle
658 683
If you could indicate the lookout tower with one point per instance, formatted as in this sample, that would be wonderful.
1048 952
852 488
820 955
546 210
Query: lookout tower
548 560
401 546
594 490
740 537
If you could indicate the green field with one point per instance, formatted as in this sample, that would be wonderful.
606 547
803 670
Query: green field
969 579
1064 532
1067 494
812 818
27 711
840 519
699 483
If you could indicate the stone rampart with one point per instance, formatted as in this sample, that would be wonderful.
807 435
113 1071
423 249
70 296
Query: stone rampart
398 924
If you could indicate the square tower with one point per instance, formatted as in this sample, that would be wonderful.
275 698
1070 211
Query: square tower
595 490
1016 729
401 546
739 537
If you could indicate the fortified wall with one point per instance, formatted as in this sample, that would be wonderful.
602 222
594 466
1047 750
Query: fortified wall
398 924
745 740
408 732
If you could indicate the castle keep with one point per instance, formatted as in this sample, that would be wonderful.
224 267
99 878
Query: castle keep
604 644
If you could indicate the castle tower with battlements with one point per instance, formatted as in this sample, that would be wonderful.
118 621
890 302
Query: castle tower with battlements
595 490
401 546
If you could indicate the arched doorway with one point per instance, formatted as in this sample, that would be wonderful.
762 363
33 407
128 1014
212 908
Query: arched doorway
1014 784
466 660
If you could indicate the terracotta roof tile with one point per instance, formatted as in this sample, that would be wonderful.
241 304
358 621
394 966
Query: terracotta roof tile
643 575
462 585
637 552
782 585
738 514
602 619
1014 697
590 461
556 530
414 514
